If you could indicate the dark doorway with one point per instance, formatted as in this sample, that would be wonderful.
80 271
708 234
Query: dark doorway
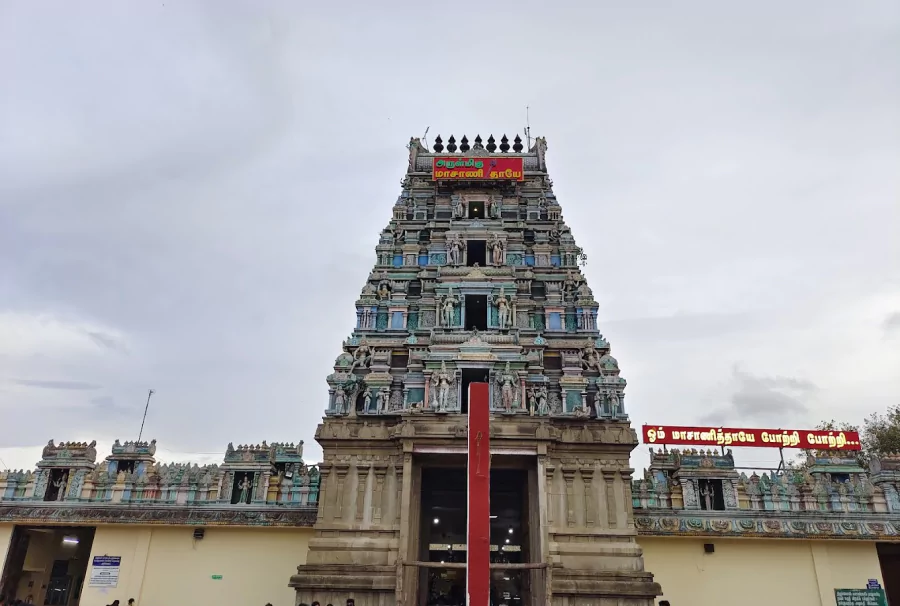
470 375
475 252
33 551
889 557
476 312
476 210
444 528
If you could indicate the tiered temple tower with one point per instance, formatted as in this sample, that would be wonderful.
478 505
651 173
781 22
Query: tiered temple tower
476 279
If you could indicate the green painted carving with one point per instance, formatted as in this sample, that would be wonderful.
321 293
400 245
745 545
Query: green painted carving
537 321
571 322
412 322
514 259
438 259
494 318
381 322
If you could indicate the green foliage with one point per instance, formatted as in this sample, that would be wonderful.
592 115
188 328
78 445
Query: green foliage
881 433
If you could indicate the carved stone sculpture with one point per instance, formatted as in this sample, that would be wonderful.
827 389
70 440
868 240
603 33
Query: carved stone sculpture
454 250
494 207
503 311
362 357
590 359
448 310
458 206
245 486
508 390
340 399
442 380
496 247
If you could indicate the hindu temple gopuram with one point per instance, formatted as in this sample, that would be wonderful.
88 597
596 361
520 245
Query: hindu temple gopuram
477 279
476 303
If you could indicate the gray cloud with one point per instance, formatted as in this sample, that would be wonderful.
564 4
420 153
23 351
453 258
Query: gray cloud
107 341
64 385
892 323
762 399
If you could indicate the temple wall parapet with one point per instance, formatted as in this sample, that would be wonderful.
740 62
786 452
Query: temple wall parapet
701 493
130 485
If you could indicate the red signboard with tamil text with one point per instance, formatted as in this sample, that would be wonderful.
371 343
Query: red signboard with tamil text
812 439
488 168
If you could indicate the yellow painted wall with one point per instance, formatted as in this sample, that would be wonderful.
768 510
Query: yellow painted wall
749 572
6 531
165 566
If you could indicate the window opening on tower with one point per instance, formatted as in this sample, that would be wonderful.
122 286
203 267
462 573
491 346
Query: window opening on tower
476 312
475 252
470 375
476 210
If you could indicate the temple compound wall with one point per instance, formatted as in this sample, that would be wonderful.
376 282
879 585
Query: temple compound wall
802 533
227 534
806 532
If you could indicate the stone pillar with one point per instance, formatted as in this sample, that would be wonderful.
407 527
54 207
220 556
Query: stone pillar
609 475
569 477
380 469
324 472
340 470
398 474
587 476
626 475
362 477
550 470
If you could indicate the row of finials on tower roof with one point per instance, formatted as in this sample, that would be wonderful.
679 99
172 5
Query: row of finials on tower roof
491 146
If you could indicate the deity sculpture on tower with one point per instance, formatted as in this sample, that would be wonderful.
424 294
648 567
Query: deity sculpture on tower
448 310
443 380
454 250
496 248
503 315
507 381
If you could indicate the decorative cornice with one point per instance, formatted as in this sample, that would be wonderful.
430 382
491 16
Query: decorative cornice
158 515
772 525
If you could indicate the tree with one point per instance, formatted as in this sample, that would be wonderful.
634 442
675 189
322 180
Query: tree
832 425
879 436
881 433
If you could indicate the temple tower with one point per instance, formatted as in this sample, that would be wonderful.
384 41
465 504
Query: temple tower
477 279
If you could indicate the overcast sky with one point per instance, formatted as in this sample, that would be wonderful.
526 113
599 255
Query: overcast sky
191 194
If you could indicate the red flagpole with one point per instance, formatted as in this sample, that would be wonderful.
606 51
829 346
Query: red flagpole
478 549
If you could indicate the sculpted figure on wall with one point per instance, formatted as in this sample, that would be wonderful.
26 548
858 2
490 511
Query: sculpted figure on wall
503 311
507 381
494 207
458 206
496 247
245 490
590 359
340 400
443 381
454 250
448 309
613 398
362 357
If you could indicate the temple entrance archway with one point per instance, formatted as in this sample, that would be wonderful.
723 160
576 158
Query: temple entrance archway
47 565
441 544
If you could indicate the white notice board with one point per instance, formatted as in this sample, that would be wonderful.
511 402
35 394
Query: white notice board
105 571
